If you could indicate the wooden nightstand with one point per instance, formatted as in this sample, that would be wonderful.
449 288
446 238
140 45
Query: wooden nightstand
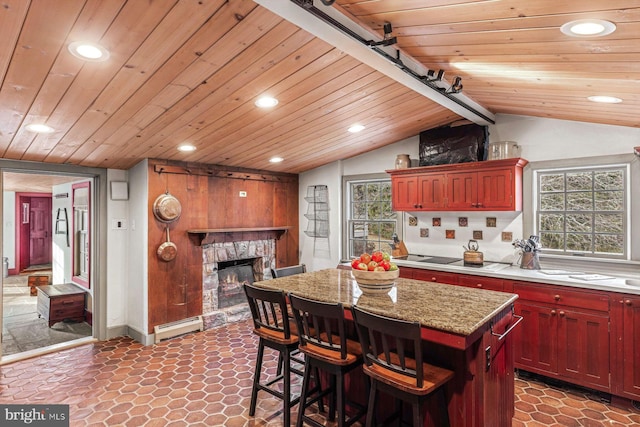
59 302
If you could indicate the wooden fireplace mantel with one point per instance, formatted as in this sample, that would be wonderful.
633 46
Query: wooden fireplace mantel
219 235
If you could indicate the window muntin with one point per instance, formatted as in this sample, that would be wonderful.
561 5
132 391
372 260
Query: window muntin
371 222
583 211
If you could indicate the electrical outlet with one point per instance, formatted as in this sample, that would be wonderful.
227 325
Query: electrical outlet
243 194
119 224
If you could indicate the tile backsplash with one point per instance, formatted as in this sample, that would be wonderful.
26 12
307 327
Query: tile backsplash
444 233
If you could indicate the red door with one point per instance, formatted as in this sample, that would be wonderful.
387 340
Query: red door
40 231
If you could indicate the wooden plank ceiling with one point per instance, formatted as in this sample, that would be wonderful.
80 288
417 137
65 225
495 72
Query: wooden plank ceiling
190 71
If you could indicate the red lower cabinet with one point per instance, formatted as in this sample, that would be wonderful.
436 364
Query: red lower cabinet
536 342
564 334
630 369
583 347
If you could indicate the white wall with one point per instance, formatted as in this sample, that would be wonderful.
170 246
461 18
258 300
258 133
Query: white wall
551 139
62 256
117 254
136 263
541 139
8 227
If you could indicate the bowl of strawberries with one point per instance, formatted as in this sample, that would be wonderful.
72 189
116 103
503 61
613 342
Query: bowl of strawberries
374 273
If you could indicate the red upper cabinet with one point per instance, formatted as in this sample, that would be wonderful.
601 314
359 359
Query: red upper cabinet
418 192
462 191
494 185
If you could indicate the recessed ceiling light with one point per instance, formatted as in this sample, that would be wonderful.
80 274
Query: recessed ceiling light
355 128
266 102
605 99
39 128
89 51
588 28
276 159
186 148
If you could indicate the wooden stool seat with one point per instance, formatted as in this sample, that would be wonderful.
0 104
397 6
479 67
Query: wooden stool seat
324 342
392 351
272 325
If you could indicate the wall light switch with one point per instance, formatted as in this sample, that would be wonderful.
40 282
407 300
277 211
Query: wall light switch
243 194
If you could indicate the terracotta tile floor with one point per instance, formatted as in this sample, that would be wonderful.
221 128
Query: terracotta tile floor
205 379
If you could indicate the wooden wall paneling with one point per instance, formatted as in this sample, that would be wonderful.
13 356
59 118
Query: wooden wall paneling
285 208
141 53
297 104
197 202
11 20
241 123
217 204
80 99
133 112
414 13
204 104
183 91
45 27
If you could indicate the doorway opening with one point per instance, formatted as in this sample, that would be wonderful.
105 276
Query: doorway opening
47 301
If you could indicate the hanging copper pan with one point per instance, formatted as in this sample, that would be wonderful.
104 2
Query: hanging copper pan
166 208
168 250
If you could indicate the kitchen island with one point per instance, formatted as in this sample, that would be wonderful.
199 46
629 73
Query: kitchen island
464 330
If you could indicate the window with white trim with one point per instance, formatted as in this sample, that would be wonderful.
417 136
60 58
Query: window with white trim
582 211
369 218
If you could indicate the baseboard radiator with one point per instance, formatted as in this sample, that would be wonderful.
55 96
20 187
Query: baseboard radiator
179 327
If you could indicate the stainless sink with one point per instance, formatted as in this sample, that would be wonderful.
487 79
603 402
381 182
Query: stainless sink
633 282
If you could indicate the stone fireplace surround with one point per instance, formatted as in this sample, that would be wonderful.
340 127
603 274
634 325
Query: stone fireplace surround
262 253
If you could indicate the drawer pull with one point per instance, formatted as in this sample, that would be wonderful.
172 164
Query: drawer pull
556 297
69 302
561 313
433 279
628 302
509 329
553 312
479 285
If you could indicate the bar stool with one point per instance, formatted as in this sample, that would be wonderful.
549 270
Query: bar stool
323 341
392 351
288 271
272 325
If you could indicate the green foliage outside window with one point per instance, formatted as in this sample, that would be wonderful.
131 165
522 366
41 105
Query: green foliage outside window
583 211
371 220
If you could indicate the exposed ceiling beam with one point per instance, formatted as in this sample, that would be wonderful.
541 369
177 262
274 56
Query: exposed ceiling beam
303 18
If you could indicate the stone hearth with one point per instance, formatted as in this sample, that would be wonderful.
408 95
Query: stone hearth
263 254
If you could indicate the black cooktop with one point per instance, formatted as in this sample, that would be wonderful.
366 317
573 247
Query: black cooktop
430 259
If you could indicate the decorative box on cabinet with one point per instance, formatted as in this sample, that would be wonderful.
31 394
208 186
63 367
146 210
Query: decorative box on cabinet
564 335
36 280
61 302
494 185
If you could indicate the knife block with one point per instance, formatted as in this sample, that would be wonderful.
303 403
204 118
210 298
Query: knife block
399 250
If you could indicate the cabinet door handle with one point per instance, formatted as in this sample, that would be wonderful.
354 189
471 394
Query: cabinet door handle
509 329
434 279
628 302
556 297
479 285
553 312
561 313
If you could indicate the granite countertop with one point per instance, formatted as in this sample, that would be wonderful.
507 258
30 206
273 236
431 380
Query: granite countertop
451 309
552 276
